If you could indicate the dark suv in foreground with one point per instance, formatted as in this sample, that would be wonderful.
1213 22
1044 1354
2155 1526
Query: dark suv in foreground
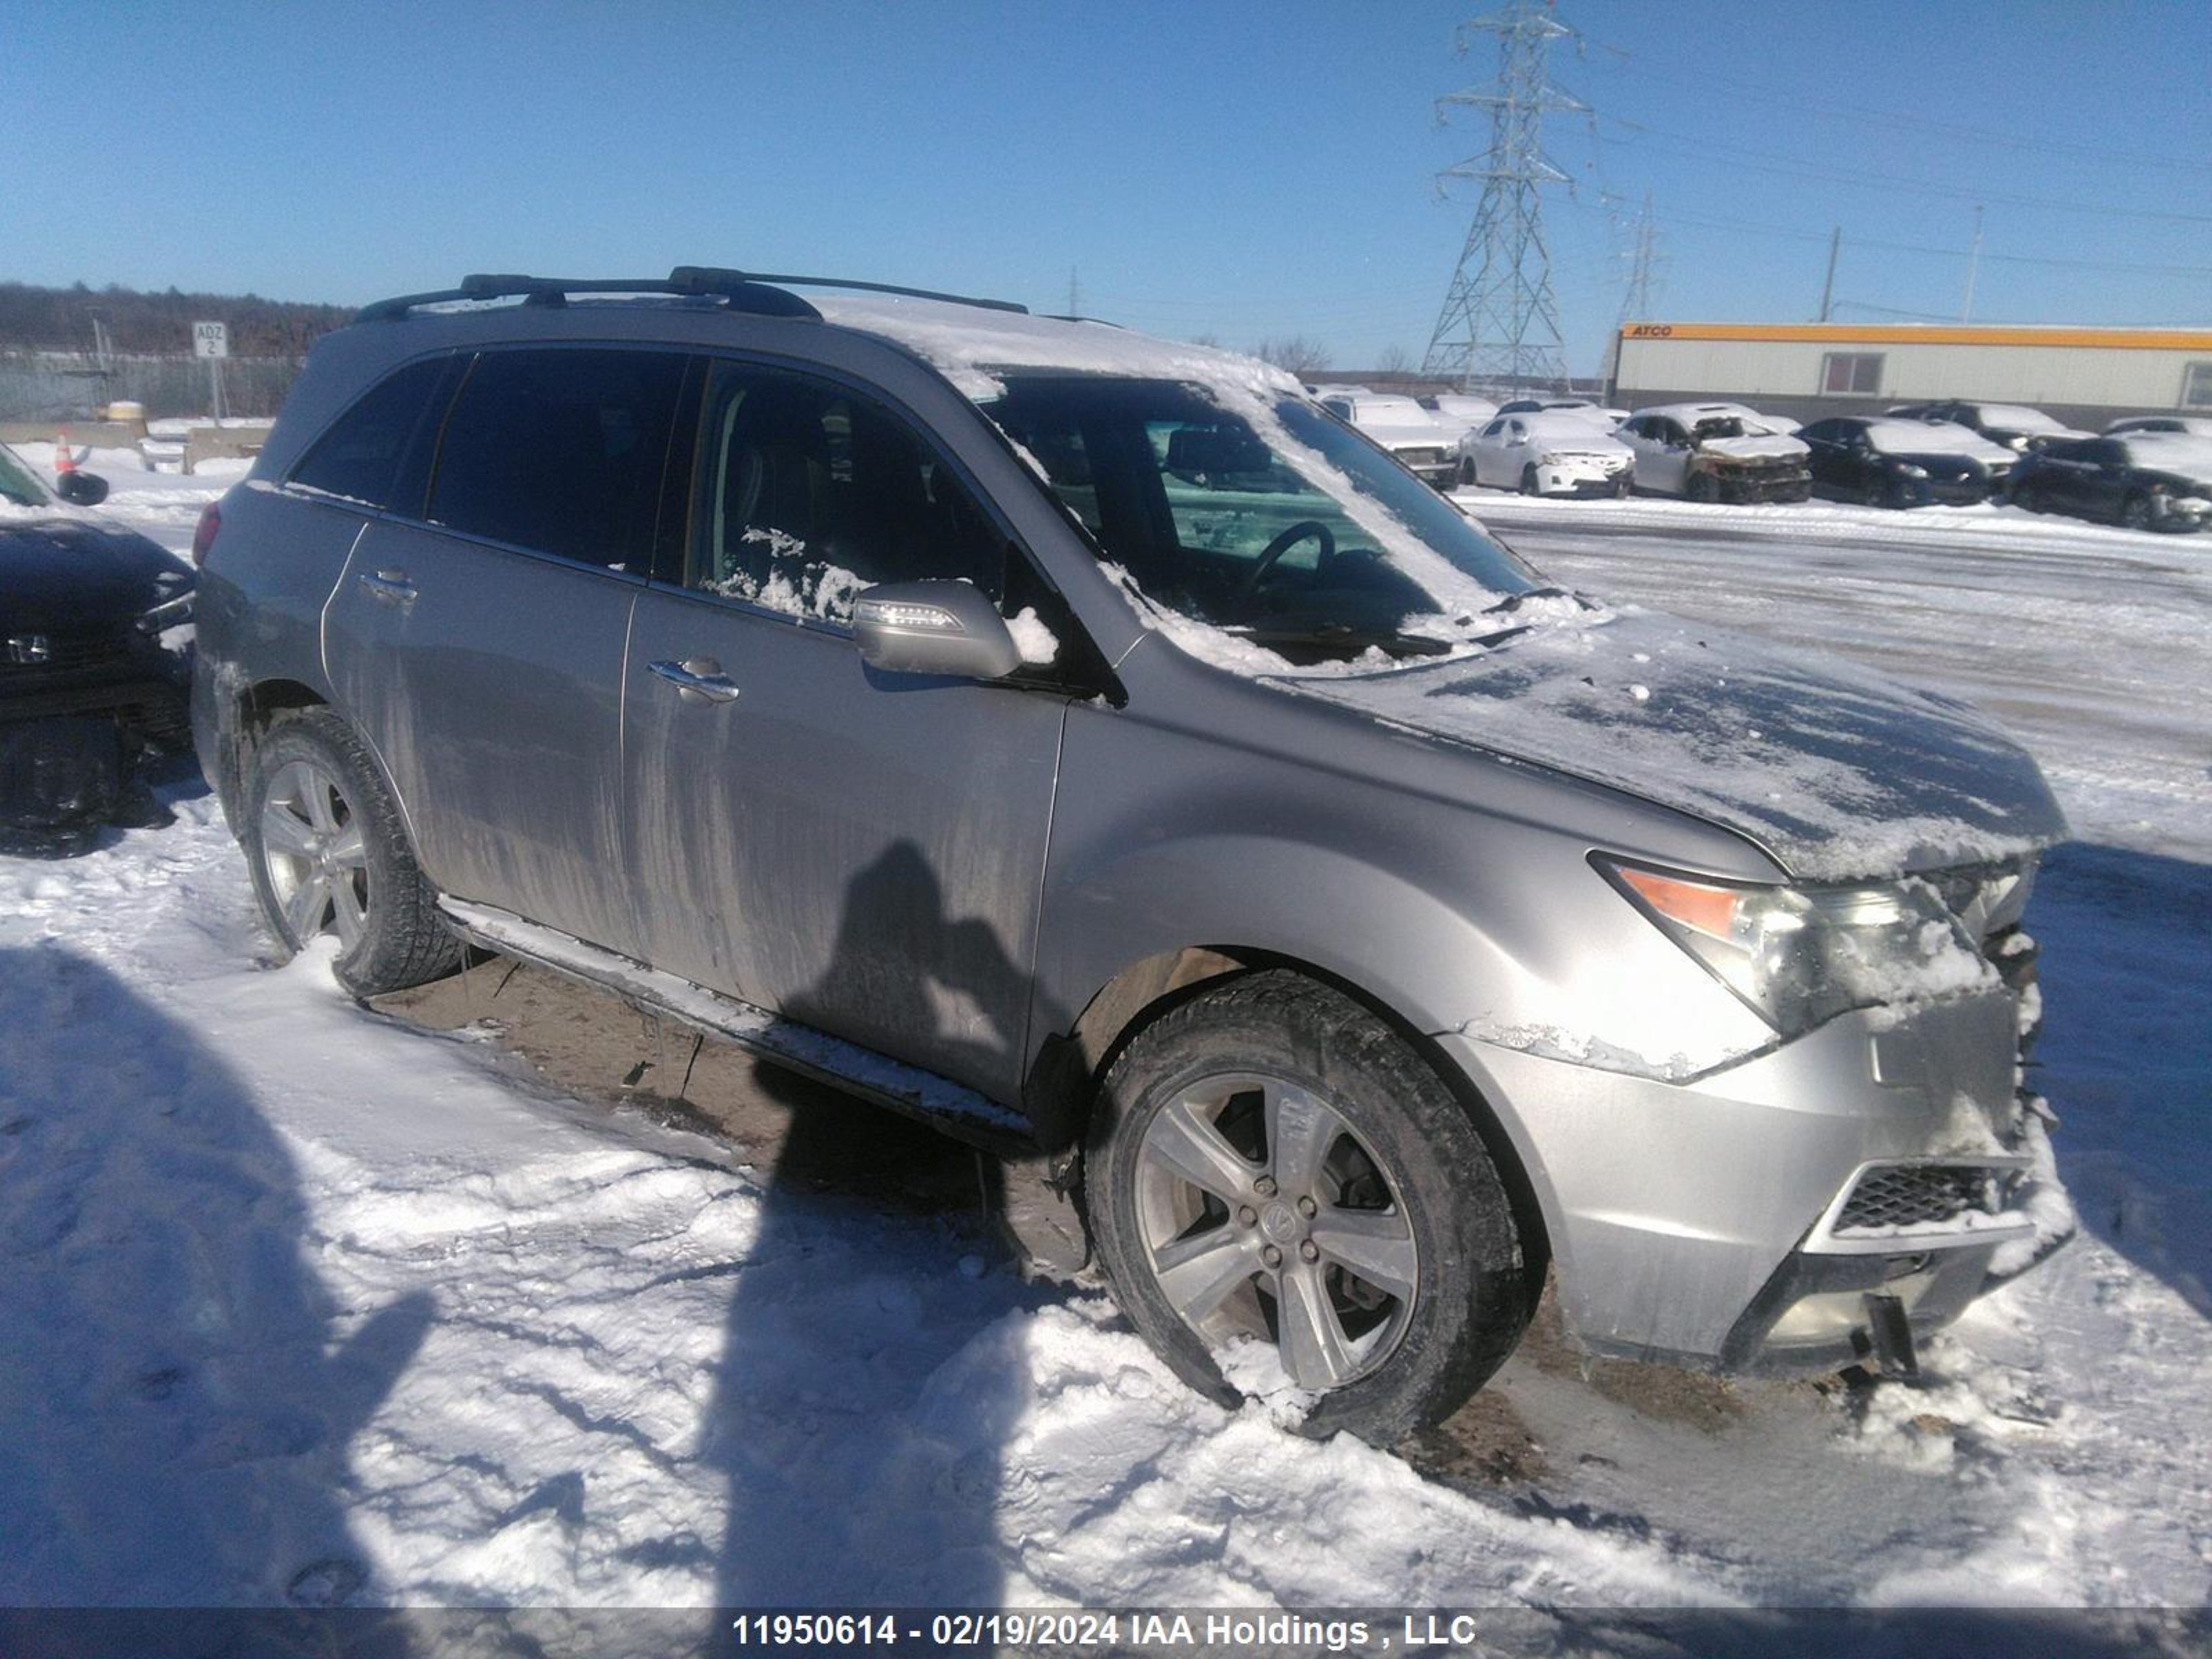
1086 742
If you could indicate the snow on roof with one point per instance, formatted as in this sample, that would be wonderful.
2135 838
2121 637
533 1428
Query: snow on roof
1567 425
2020 418
967 344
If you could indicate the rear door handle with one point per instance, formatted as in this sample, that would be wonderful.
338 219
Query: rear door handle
697 679
389 588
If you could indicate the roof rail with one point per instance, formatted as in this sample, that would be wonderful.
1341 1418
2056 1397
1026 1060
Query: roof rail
743 291
740 292
718 273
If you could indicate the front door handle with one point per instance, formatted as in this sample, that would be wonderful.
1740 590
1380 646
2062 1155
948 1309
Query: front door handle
697 679
389 588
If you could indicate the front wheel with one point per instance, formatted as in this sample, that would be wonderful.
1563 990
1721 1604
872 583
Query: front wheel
1272 1165
328 855
1467 472
1528 484
2135 512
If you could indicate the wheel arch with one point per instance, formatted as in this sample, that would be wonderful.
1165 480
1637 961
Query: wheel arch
1060 1091
261 705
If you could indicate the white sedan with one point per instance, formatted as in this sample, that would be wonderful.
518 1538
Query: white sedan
1546 453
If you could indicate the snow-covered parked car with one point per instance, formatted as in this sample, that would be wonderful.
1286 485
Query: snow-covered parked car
2195 426
1717 452
2144 480
1546 453
1088 744
1886 463
1423 445
1459 412
2012 426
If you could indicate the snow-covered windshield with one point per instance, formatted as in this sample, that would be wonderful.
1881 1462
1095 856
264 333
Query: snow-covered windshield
1267 521
16 483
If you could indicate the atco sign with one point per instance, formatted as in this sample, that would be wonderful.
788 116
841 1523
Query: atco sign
1649 331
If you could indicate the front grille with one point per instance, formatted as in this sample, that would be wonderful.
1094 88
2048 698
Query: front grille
1907 1195
60 656
1421 457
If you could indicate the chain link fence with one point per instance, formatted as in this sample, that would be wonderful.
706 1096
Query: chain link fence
70 386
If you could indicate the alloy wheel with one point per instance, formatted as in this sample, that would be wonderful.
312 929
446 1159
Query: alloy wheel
1265 1215
312 850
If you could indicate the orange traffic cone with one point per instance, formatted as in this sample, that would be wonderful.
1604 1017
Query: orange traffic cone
63 461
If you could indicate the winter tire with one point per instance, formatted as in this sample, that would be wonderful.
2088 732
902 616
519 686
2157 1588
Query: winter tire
1270 1161
2135 512
1701 488
1528 485
1465 472
1877 495
323 841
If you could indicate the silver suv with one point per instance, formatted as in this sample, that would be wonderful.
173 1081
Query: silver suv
1088 743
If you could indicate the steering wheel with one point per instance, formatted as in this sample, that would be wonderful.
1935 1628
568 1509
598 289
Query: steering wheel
1272 554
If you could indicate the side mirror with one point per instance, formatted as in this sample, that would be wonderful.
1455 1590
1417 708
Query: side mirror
81 489
944 628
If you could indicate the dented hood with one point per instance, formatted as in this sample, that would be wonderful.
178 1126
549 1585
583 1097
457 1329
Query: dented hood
1838 773
1767 446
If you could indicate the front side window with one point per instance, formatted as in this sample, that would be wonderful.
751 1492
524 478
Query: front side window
1850 374
803 493
2197 387
561 451
1271 522
359 459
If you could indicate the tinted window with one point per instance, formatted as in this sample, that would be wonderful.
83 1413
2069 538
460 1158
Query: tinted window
360 456
560 451
805 494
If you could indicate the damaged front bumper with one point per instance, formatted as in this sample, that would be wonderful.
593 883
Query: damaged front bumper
1742 1220
1577 477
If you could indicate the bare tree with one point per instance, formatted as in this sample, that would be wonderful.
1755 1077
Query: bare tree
1296 356
1395 363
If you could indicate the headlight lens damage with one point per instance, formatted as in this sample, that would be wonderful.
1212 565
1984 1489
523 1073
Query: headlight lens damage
1799 955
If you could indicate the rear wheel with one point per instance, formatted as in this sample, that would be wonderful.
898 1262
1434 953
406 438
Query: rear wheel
328 855
1271 1164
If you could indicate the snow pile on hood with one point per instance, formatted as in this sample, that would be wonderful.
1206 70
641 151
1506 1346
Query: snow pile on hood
1838 773
2181 452
1934 438
1766 447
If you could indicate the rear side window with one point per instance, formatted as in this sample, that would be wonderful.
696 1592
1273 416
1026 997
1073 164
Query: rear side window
560 452
359 459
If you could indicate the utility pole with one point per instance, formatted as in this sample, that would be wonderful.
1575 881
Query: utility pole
1973 266
1828 287
1499 321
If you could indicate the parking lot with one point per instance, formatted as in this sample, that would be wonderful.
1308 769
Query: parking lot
565 1341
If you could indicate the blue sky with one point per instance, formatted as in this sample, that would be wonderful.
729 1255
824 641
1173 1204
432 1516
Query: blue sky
1240 170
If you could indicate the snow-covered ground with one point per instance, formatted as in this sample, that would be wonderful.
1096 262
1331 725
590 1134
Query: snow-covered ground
304 1305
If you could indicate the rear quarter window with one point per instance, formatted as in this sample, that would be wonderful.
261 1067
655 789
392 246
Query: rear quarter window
359 459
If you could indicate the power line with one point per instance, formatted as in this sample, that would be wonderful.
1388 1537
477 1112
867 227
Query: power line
1896 119
1760 161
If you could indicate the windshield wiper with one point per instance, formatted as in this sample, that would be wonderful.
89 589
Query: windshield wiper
1349 641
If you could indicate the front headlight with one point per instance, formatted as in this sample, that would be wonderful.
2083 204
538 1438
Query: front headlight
1799 955
1551 460
2017 441
166 614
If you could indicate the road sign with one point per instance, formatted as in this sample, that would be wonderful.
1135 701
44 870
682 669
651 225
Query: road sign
211 340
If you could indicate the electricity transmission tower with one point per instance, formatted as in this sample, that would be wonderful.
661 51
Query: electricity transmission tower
1499 322
1644 260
